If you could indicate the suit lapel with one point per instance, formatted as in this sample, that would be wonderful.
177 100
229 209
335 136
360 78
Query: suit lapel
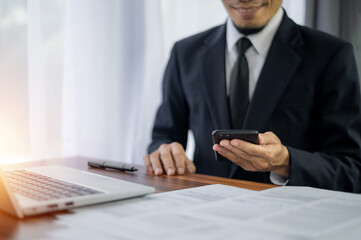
280 65
278 69
214 78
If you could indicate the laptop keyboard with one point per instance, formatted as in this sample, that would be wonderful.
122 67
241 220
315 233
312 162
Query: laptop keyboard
43 188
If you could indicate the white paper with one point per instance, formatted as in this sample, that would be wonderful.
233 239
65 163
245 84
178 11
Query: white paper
220 212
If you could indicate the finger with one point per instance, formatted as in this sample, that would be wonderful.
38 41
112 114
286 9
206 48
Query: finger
243 155
236 159
237 147
167 159
227 154
190 167
247 149
179 157
226 148
156 164
217 147
268 138
147 163
263 158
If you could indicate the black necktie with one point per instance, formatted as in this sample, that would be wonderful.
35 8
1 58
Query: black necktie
239 88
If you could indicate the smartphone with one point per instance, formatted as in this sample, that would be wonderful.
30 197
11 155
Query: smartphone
244 134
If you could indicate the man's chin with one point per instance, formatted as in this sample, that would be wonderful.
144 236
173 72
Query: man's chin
249 29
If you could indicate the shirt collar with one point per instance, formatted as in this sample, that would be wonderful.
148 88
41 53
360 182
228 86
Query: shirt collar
262 40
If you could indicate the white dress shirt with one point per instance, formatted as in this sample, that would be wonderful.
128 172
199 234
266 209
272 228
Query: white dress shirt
256 56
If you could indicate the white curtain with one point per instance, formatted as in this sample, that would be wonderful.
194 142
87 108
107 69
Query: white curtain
83 77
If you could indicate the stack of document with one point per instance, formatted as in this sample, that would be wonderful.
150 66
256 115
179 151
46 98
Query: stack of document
219 212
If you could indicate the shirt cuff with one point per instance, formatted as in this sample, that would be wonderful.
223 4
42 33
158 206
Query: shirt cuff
278 179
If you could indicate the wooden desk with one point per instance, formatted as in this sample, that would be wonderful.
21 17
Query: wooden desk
35 227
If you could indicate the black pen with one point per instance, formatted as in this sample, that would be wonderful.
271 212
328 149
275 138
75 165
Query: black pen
112 164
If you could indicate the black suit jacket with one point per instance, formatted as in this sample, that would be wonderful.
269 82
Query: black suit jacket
308 94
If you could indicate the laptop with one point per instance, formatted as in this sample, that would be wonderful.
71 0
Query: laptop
37 190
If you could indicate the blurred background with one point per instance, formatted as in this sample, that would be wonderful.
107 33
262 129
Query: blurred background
83 77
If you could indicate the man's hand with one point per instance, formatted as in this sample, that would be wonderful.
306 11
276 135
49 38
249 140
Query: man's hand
269 155
170 159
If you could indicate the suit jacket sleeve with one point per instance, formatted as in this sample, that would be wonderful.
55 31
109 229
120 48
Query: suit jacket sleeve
337 162
171 123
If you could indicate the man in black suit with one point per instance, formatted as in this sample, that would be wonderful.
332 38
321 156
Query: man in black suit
303 92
